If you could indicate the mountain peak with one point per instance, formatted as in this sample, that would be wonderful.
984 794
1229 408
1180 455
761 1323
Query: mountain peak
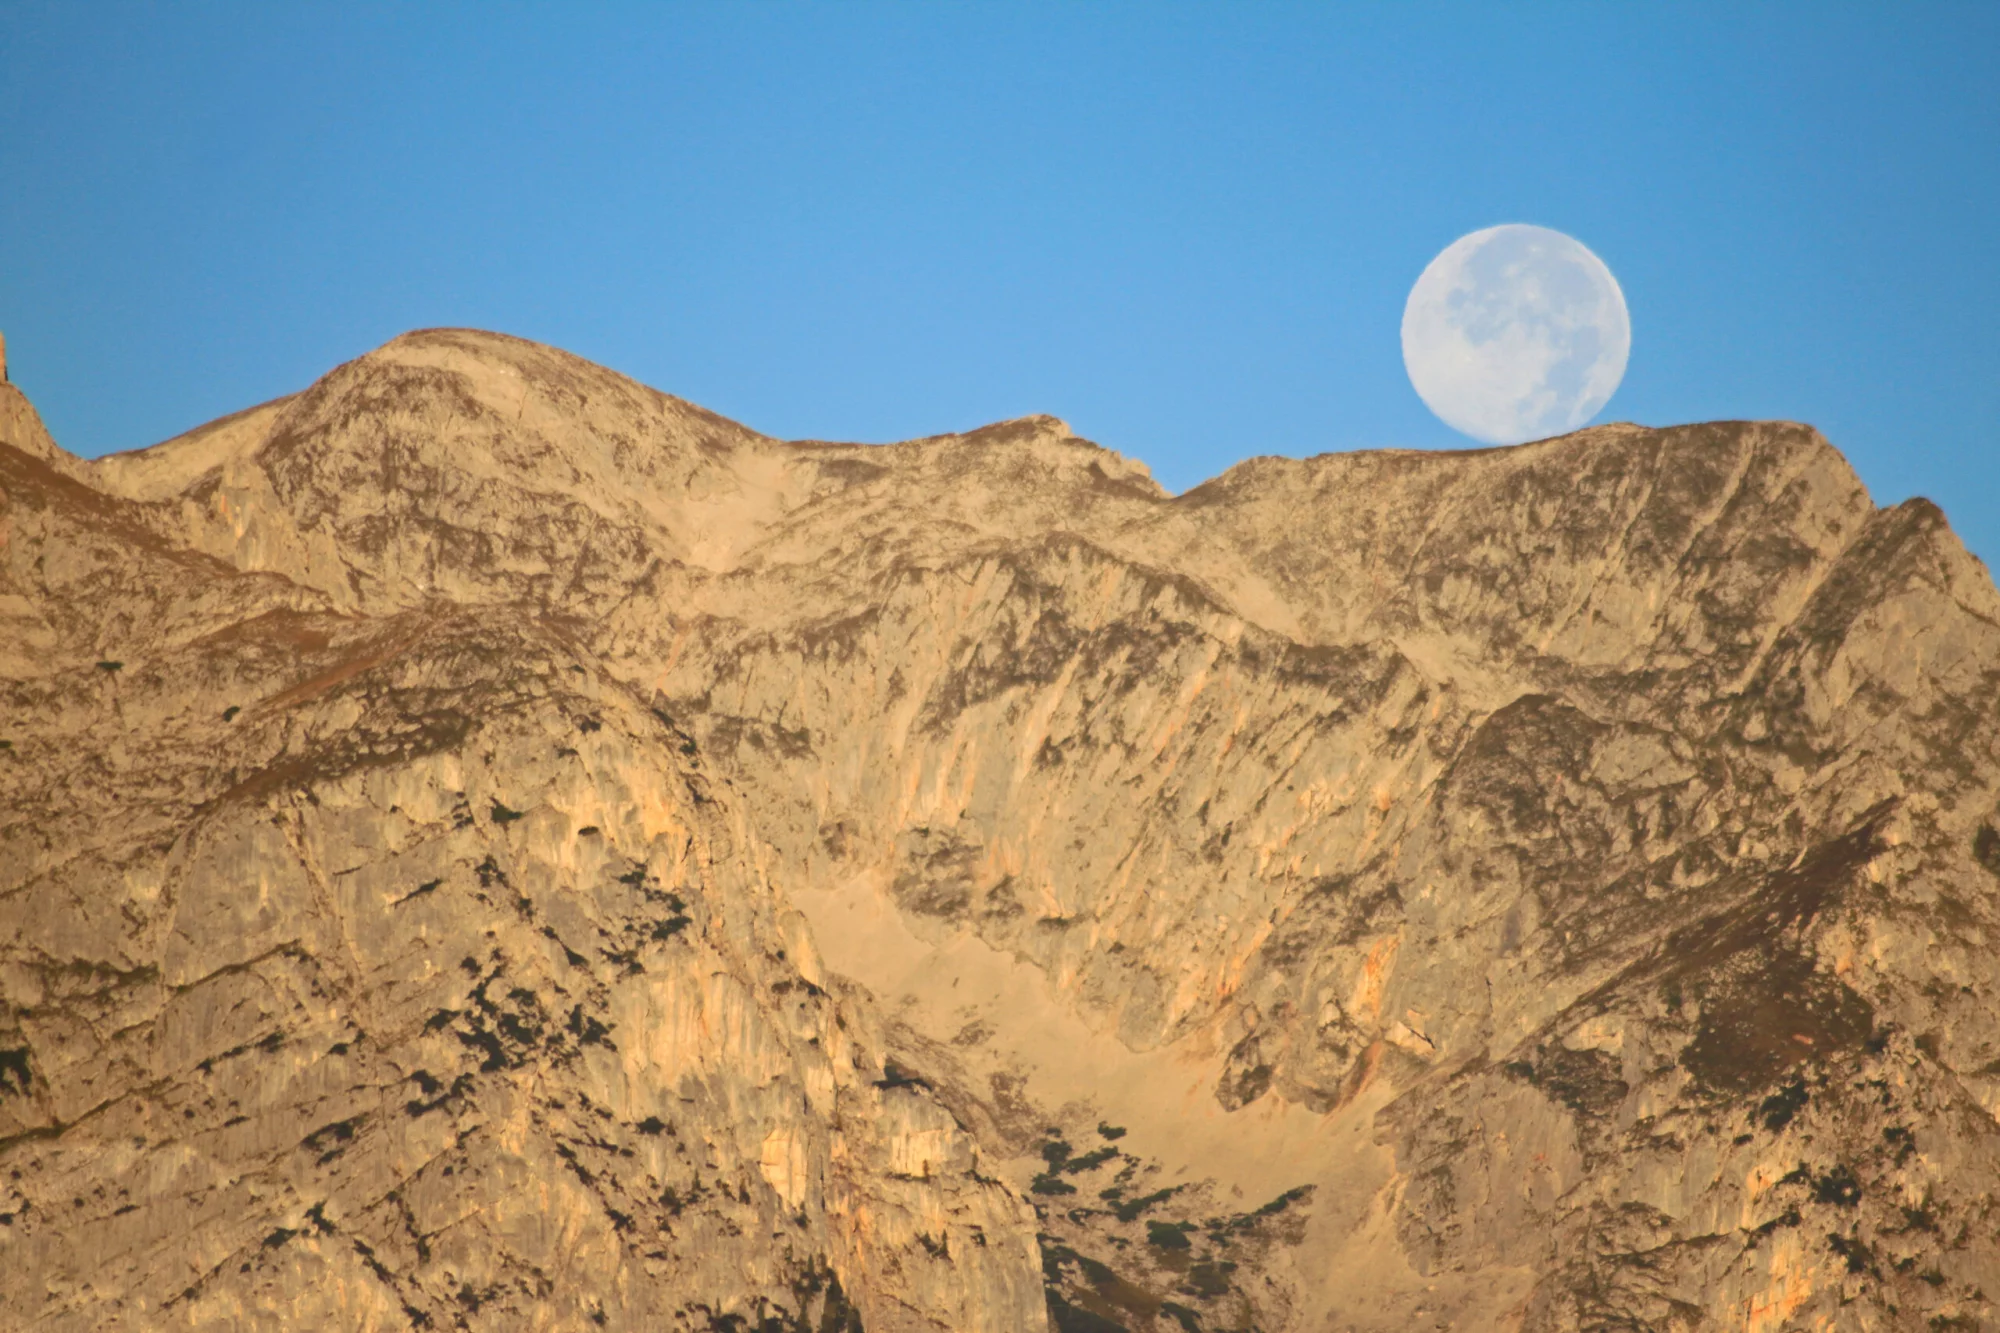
482 839
21 427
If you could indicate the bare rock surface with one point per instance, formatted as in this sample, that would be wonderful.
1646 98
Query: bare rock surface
485 844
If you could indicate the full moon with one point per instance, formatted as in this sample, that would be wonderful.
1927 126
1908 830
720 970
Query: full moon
1516 333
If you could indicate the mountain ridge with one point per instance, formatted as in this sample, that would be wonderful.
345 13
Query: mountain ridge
1496 888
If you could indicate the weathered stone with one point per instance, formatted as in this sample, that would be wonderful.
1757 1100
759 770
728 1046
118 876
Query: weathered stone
487 844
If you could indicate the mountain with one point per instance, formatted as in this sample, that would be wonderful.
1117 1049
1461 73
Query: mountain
485 844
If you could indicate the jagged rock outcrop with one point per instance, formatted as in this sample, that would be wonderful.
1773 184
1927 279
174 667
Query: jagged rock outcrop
491 845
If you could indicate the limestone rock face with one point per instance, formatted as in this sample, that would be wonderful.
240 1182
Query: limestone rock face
485 844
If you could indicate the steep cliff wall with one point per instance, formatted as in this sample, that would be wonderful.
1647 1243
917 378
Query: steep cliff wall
492 845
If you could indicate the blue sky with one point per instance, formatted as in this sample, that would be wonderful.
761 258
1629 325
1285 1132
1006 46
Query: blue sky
1188 230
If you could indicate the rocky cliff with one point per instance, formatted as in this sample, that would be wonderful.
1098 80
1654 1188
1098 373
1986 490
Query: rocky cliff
485 844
